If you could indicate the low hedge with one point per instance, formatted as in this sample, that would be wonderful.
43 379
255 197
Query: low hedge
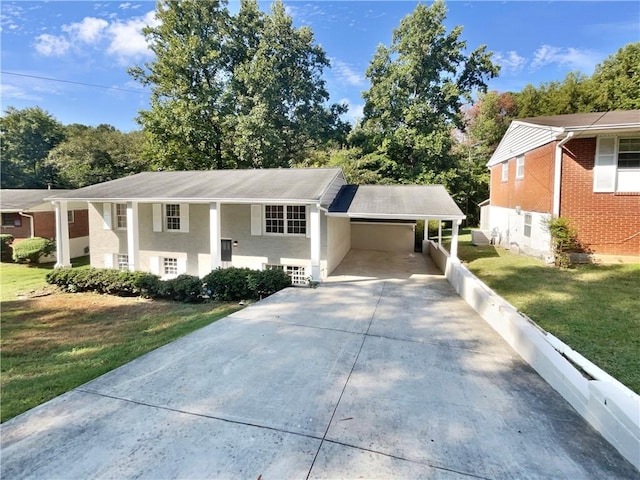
31 250
229 284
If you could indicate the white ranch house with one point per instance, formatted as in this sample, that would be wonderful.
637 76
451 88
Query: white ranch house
301 220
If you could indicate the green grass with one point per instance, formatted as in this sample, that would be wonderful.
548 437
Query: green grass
595 309
54 343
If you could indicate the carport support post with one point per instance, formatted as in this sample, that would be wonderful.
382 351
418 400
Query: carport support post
214 234
454 238
440 232
63 259
314 233
133 242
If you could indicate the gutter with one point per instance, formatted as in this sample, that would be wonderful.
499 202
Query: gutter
30 217
557 177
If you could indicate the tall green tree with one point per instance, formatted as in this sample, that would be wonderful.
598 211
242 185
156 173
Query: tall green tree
92 155
615 84
26 137
233 91
418 86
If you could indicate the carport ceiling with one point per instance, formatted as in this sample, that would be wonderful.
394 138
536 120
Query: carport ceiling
397 202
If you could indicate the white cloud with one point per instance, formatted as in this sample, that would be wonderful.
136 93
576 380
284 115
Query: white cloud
17 93
574 58
510 62
89 30
127 41
355 112
52 45
346 74
122 39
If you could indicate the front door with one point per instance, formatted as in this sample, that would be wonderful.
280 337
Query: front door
225 250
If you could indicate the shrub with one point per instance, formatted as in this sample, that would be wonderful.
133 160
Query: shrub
114 282
183 288
33 249
6 239
228 284
263 283
563 240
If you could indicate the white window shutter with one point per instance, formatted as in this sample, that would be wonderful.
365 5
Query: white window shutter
106 216
308 223
108 260
184 217
157 217
154 265
256 220
182 265
606 165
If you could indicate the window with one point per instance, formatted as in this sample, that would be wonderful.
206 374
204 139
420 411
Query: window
121 215
520 166
297 219
11 220
274 218
617 165
170 266
297 273
123 261
172 211
71 216
286 220
505 171
629 153
527 224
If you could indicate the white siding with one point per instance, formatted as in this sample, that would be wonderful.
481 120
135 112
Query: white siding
521 138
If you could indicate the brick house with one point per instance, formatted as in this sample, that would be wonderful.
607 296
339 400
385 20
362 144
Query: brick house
584 167
26 214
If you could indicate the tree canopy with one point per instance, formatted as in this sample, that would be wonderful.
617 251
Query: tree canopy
234 91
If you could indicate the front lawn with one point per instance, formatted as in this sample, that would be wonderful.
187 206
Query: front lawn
55 342
595 309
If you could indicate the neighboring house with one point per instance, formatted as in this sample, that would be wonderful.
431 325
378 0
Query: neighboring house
584 167
303 221
26 214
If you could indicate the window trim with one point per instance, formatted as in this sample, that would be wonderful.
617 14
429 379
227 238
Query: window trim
14 216
505 171
297 273
177 217
71 216
119 216
606 170
519 167
619 140
286 220
165 261
122 261
528 226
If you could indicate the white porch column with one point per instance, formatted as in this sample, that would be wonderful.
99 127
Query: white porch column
454 238
133 236
63 258
425 235
214 234
439 232
314 231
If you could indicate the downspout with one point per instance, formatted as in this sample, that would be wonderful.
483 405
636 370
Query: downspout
557 177
30 217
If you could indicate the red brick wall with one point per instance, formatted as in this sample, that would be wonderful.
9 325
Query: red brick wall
605 221
80 226
23 231
534 192
45 225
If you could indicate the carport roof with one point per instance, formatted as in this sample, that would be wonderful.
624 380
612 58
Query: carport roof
401 202
15 200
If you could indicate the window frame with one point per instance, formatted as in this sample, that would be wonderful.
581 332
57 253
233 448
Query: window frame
294 221
528 226
505 171
119 216
15 216
519 167
122 261
619 151
170 220
297 273
71 216
170 263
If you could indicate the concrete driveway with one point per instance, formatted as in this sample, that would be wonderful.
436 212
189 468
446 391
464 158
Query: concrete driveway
355 379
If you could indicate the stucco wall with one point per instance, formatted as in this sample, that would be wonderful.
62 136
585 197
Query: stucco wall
510 227
338 241
384 237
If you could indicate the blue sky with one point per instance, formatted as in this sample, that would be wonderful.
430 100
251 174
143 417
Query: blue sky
94 43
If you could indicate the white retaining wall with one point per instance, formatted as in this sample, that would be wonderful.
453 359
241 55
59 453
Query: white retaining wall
610 407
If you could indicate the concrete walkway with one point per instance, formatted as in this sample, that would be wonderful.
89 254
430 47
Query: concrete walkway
359 379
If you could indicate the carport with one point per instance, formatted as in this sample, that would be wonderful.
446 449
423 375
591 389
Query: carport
383 217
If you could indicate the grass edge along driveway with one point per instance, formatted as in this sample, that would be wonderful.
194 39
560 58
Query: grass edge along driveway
53 343
593 308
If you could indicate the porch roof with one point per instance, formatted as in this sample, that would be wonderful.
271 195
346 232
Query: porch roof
259 185
20 199
395 202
